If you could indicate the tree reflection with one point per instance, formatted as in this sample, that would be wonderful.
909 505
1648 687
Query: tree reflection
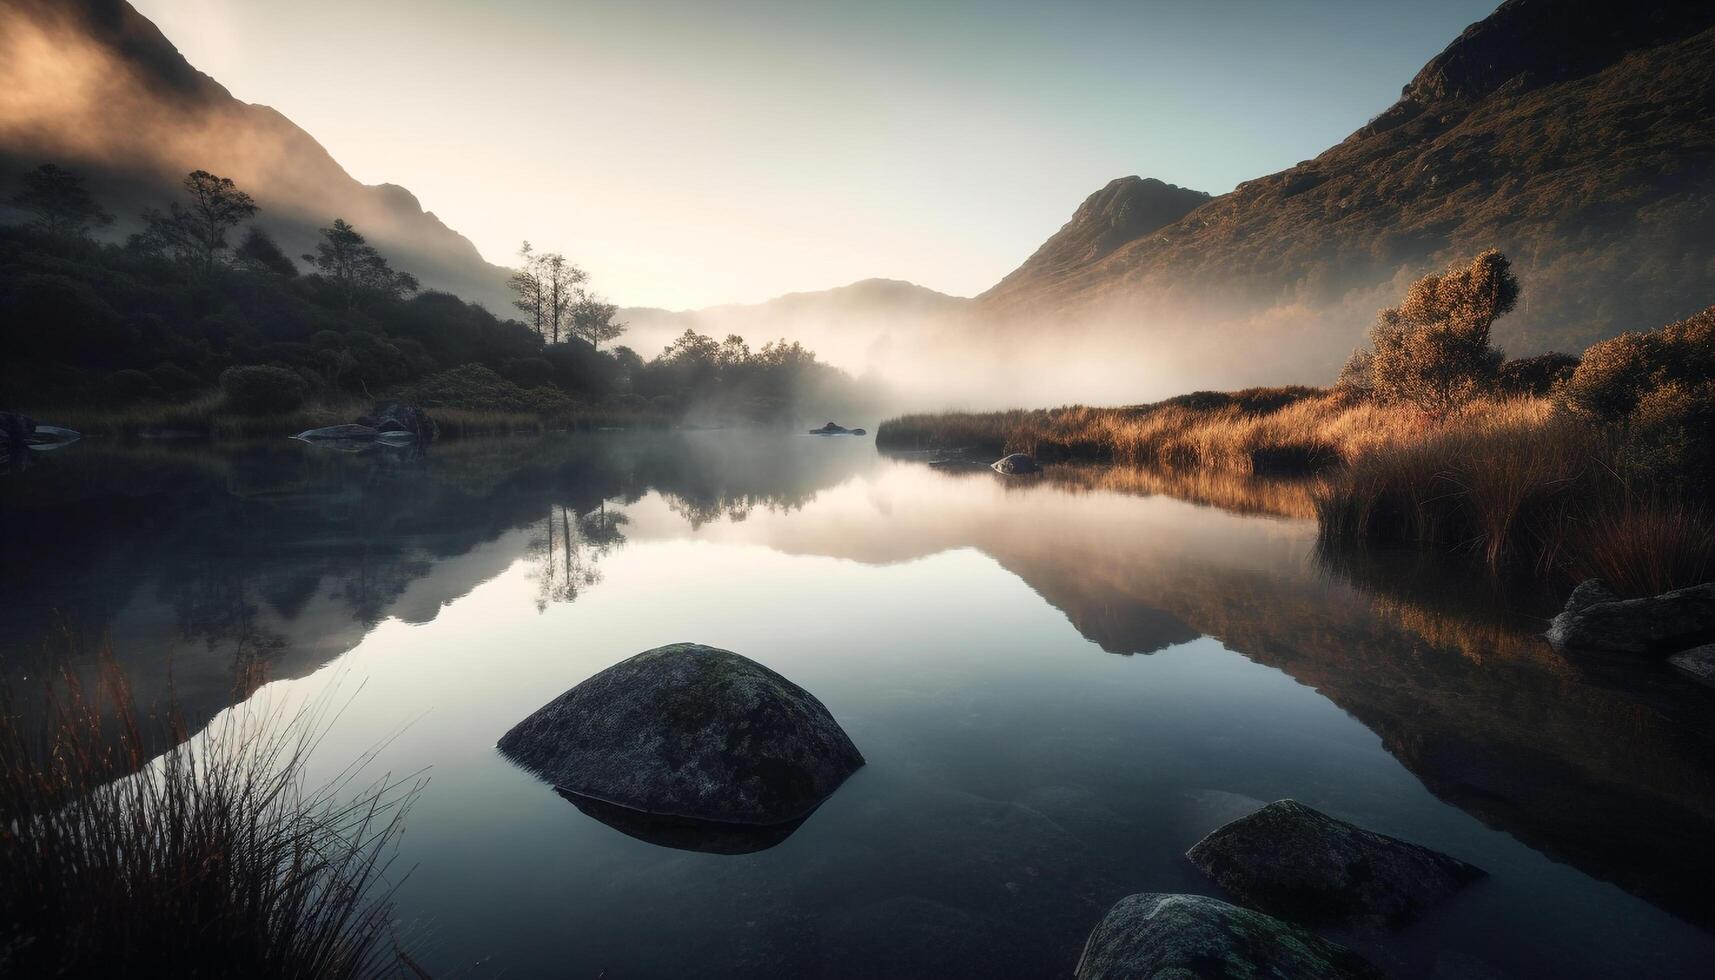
568 548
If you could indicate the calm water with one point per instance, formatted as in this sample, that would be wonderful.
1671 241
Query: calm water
1060 685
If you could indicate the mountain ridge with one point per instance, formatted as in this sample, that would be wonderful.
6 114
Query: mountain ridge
124 108
1587 156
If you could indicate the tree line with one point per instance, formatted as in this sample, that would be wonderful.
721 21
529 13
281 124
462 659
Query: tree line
201 289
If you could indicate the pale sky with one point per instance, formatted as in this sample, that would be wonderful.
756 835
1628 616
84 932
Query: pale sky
693 152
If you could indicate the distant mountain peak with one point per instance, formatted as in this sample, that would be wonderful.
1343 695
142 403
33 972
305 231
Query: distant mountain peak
1126 209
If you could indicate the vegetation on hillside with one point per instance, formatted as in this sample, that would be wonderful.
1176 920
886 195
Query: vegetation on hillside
201 322
1593 466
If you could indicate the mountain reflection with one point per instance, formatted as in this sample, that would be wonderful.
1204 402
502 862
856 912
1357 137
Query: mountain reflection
241 565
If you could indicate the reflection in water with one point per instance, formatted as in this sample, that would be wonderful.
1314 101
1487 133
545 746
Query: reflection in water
1006 803
684 833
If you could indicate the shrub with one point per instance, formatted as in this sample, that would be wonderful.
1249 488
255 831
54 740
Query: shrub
261 389
528 371
1433 350
1616 374
129 385
1534 376
1661 387
477 388
171 378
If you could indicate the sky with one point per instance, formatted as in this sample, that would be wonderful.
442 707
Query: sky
689 153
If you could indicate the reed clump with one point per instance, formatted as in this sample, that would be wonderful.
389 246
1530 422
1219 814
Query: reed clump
213 860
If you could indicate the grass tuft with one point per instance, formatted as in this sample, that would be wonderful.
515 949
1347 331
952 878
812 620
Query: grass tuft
213 860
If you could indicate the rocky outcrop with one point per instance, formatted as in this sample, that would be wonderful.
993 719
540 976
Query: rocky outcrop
692 732
1289 860
835 429
1147 936
1595 619
1016 464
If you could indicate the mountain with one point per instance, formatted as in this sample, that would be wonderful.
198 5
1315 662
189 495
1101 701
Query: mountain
94 86
851 326
1576 137
1118 214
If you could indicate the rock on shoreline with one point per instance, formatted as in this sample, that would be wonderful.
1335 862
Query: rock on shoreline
1597 619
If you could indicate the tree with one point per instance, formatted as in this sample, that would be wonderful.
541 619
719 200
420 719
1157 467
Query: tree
259 253
63 208
355 268
592 319
196 233
548 290
528 286
1433 350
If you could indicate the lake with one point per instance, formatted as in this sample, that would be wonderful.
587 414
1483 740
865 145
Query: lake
1060 684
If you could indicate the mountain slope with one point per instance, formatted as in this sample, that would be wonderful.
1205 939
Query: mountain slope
1575 137
849 325
1124 211
94 86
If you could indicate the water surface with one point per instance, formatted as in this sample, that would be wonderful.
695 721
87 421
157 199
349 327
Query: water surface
1059 684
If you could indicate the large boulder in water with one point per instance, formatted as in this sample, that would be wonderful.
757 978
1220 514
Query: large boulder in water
1289 860
1146 936
1016 464
1596 619
692 732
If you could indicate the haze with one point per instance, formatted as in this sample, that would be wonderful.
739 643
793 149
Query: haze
689 154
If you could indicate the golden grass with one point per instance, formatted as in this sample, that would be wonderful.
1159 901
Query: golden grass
1520 482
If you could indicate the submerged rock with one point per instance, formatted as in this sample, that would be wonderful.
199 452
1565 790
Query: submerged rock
1145 936
1289 860
348 431
1699 662
1015 464
1595 619
689 731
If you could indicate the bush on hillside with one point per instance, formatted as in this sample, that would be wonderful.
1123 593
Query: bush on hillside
261 389
1534 376
477 388
1433 350
1660 386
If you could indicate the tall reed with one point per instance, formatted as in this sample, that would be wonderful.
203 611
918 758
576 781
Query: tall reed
213 860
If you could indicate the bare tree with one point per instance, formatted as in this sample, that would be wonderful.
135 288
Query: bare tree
592 319
528 286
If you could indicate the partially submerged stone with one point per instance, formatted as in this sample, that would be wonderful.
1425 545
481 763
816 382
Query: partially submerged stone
1193 936
835 429
1697 662
1289 860
1595 619
1015 464
689 731
351 431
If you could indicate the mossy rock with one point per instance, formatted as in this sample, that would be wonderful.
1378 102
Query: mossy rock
1290 860
1191 936
689 731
